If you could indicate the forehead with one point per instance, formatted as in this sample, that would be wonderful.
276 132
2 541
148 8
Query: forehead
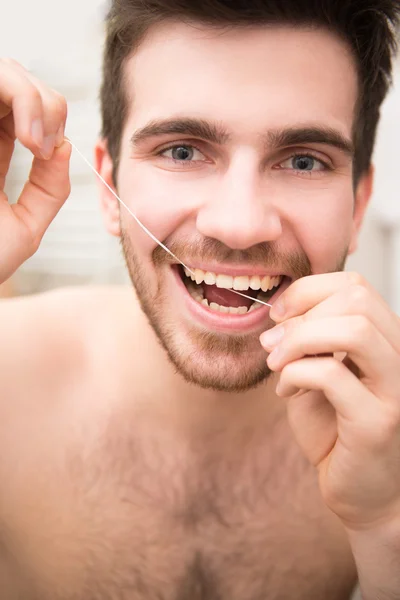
243 77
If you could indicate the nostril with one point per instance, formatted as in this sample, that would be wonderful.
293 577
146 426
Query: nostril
240 233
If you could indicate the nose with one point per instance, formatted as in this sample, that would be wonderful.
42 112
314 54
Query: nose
241 212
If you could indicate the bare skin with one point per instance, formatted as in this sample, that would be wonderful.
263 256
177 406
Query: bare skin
107 502
127 475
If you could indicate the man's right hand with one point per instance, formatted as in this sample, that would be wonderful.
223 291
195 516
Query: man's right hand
35 115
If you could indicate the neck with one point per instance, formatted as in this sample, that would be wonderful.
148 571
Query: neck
196 413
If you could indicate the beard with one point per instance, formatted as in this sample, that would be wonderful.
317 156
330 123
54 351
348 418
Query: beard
211 360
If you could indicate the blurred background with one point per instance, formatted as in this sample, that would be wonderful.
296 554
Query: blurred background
61 43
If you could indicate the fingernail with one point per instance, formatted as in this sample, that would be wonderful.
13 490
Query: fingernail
60 137
272 337
37 132
48 145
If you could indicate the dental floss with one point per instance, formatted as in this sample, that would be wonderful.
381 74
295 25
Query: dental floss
144 227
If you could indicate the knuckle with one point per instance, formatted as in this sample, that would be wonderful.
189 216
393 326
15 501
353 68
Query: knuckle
361 327
56 114
24 88
34 246
35 242
359 299
355 278
30 241
60 106
32 92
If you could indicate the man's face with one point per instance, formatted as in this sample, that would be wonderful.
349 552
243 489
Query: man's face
234 155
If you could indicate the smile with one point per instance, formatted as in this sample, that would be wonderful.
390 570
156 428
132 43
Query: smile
214 290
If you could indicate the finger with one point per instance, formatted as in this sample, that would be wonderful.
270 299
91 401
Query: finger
43 195
20 97
360 300
7 144
344 391
354 300
54 110
305 293
314 424
374 424
355 335
54 115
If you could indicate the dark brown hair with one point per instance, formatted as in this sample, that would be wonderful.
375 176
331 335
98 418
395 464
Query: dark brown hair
368 27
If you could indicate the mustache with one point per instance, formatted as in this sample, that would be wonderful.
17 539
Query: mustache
266 255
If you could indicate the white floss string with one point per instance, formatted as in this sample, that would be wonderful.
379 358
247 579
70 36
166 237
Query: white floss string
144 227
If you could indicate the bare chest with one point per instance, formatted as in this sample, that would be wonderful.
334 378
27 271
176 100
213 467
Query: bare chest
135 522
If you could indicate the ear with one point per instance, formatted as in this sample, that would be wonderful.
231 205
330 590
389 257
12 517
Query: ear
109 204
361 199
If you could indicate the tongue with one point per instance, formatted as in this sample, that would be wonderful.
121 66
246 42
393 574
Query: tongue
226 297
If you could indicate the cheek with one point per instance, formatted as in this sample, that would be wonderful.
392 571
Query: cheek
324 230
161 200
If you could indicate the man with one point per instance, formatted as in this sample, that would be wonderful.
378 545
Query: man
183 441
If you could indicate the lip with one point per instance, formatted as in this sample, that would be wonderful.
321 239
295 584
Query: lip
223 322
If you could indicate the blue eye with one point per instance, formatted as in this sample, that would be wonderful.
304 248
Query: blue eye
304 163
181 153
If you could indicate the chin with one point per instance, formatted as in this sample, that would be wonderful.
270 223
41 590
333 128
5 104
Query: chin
214 361
223 380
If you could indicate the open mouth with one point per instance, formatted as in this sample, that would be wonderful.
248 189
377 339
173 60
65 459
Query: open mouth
214 291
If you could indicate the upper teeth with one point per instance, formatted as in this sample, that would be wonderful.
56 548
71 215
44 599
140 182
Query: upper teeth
239 283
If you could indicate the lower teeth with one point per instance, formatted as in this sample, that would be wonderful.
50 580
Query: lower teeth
198 295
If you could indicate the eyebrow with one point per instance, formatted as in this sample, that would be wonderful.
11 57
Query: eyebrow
309 135
217 134
199 128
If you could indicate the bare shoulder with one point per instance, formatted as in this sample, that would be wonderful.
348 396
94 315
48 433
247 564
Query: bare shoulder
50 333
